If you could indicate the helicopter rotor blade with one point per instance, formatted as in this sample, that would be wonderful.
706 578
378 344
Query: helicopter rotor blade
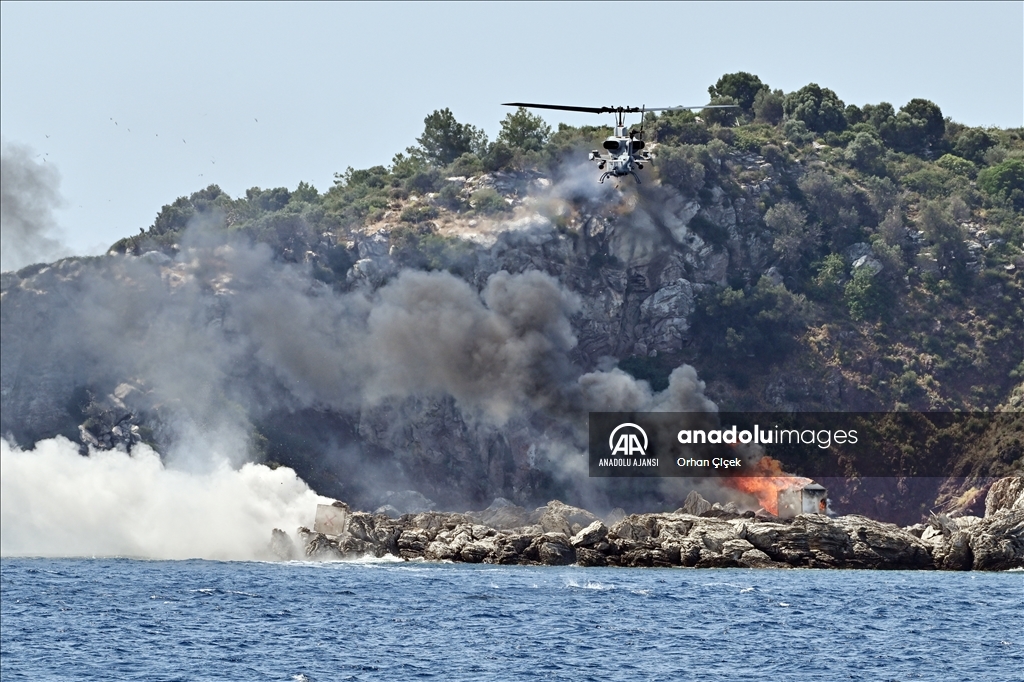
703 106
559 107
613 110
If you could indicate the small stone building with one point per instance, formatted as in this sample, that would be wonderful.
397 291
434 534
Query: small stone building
809 499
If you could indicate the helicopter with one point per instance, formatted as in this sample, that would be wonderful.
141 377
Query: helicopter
624 151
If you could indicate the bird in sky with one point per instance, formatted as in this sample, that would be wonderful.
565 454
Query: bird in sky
256 119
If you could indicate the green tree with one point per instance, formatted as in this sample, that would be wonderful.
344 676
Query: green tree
795 238
768 106
444 139
741 86
488 202
928 120
957 165
523 130
879 116
864 295
950 248
681 167
680 127
917 126
268 199
972 144
723 117
819 108
306 192
1005 181
865 153
830 276
832 201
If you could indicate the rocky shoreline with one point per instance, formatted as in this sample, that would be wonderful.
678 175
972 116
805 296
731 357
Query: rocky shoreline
698 535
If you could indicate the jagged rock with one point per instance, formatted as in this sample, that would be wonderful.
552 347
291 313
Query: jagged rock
558 517
614 516
502 514
439 550
672 529
554 549
872 265
774 276
633 527
858 250
755 558
680 539
709 559
955 554
736 548
695 504
510 548
589 536
590 557
893 547
282 546
319 546
413 543
714 533
1006 493
997 542
665 315
476 552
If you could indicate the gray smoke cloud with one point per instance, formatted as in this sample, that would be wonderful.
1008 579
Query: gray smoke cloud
469 376
29 192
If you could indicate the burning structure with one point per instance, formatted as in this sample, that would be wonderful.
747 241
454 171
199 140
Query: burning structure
807 499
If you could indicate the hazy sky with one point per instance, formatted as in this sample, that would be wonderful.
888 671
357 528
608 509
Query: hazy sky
267 95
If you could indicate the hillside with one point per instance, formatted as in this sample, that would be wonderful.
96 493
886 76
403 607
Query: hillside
444 323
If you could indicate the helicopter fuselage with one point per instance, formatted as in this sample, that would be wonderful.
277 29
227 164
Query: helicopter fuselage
623 154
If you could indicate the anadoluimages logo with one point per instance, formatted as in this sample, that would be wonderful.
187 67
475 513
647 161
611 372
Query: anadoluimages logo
628 442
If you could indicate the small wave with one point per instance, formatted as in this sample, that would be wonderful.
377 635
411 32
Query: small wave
589 585
746 589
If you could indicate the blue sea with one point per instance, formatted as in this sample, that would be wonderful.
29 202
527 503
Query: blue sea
123 619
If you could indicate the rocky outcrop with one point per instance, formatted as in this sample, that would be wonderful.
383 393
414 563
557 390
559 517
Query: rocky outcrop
1005 494
716 539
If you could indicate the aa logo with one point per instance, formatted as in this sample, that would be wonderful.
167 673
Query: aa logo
628 441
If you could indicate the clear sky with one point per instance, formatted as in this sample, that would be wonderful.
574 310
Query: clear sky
268 94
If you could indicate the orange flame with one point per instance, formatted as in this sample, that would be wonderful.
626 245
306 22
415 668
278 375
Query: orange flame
766 486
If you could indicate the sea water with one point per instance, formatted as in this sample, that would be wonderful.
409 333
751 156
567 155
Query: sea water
123 619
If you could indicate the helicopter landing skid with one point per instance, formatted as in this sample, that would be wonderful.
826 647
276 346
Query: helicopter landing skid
608 174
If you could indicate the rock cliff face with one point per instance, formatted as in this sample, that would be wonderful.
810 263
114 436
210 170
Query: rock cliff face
559 534
207 342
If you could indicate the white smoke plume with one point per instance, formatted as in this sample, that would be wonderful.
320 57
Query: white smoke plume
29 192
56 503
